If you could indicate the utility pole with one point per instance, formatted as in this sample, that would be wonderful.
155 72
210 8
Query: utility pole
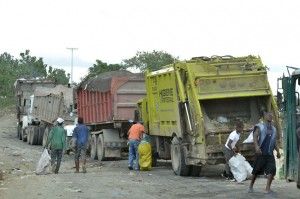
72 49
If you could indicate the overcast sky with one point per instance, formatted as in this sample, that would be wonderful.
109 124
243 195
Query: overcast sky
116 29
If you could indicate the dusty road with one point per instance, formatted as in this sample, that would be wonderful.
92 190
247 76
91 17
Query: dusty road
111 179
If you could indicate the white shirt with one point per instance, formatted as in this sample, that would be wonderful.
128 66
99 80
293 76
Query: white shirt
234 136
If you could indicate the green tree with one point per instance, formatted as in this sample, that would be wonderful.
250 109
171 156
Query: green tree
149 60
101 67
26 67
58 75
8 64
31 66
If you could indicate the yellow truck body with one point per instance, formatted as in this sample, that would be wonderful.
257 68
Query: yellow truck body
192 106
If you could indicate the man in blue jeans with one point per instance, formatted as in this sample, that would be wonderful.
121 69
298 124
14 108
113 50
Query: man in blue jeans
135 134
81 135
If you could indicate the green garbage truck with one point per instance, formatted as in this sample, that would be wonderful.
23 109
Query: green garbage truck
192 106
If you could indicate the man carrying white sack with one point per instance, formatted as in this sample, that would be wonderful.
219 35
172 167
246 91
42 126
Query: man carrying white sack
230 147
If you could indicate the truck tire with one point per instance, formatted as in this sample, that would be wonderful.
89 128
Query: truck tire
20 132
178 159
41 134
35 135
24 136
100 148
29 134
31 140
154 159
94 147
195 171
45 136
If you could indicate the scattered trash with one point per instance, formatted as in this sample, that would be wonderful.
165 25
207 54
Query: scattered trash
149 174
26 176
16 153
222 119
131 173
74 190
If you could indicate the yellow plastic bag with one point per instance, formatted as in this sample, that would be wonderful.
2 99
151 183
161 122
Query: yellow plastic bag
145 156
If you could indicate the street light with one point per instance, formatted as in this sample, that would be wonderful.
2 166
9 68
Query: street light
72 49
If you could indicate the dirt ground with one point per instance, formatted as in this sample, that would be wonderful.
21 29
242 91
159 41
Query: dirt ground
112 179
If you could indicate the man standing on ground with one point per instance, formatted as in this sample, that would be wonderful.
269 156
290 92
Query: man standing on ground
135 134
265 142
81 137
56 142
230 147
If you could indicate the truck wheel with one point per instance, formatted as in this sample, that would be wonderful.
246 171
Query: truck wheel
19 132
20 135
100 148
178 159
154 159
41 134
94 147
35 135
29 135
24 136
195 171
45 136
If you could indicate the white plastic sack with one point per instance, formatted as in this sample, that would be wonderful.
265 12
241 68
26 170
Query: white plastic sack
249 138
249 169
240 168
42 167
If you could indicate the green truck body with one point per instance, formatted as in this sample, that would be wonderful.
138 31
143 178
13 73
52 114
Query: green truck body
288 100
192 106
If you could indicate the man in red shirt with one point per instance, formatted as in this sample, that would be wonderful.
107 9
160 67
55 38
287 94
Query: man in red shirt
135 134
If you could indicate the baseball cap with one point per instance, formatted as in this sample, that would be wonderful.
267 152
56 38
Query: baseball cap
60 120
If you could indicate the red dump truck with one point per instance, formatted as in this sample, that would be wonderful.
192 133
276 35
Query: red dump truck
106 102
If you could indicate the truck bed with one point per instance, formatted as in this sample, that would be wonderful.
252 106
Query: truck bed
110 97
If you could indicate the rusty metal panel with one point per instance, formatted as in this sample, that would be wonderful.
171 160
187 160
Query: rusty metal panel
115 101
24 88
93 106
126 98
48 108
51 103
